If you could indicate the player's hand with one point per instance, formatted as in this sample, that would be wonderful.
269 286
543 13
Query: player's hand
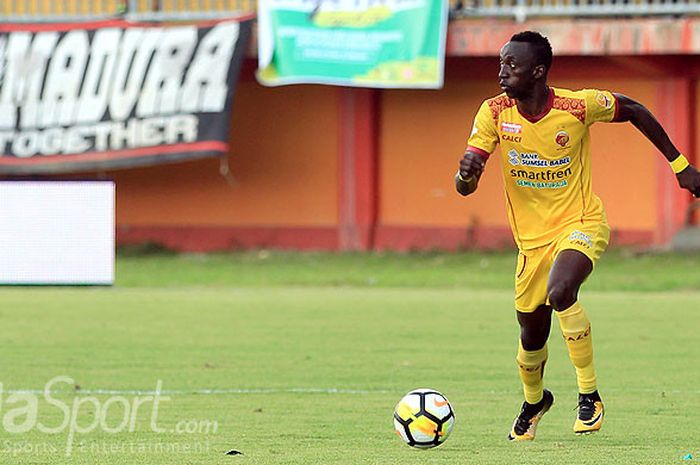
689 179
472 164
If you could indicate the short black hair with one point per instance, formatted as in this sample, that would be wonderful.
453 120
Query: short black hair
543 49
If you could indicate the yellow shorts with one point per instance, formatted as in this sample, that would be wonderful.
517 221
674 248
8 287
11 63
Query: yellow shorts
532 271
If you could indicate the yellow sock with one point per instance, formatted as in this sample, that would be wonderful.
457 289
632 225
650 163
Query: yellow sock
531 368
576 330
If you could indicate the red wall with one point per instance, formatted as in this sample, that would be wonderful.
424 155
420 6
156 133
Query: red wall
326 168
283 187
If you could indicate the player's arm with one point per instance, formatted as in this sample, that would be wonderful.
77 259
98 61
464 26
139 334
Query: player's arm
471 166
482 141
637 114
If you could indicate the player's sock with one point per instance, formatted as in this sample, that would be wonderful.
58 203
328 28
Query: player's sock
531 368
576 330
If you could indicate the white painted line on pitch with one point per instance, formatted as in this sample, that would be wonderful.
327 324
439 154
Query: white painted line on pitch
167 392
175 392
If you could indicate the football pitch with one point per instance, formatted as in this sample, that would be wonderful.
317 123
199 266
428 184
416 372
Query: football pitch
300 359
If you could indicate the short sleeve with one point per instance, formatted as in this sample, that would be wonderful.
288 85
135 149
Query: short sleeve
484 136
601 106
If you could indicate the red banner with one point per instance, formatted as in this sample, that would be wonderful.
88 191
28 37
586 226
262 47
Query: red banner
643 36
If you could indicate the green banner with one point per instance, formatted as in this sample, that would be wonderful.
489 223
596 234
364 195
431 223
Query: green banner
360 43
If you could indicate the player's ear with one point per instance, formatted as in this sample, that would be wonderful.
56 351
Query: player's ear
538 71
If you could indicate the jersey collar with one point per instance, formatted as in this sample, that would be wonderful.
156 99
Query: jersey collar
545 110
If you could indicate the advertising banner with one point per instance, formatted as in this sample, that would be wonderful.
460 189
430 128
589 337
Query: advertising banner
581 36
57 232
360 43
114 94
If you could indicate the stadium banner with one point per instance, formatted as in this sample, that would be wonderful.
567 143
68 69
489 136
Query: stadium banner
581 36
115 94
359 43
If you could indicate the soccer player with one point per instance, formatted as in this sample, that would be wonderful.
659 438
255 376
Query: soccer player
558 223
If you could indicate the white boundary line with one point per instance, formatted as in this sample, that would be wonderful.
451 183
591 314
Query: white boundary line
136 392
205 392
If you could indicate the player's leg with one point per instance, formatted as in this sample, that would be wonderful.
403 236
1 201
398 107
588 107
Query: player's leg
531 358
534 318
570 270
532 350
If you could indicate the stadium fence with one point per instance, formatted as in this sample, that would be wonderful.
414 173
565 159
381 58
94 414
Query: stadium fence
168 10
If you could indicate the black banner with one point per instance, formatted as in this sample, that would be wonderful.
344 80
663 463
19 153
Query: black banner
114 94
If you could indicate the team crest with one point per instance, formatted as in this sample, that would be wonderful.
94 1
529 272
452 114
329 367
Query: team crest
562 138
603 100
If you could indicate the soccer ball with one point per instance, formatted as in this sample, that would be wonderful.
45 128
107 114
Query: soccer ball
424 418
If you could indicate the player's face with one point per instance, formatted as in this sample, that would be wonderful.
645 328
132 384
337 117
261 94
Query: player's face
518 73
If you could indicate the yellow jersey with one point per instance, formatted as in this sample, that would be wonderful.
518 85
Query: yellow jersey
546 160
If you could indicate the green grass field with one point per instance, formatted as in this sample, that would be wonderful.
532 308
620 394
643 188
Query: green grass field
300 359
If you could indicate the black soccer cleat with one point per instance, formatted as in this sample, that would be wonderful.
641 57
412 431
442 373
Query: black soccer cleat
590 413
525 424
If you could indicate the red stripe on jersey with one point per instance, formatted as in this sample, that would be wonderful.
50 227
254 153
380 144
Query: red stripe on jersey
478 151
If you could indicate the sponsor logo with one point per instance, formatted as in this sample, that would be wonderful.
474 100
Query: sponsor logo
544 175
594 420
580 238
542 185
562 138
603 100
511 127
532 159
530 369
439 403
560 161
510 138
514 157
544 179
474 130
579 336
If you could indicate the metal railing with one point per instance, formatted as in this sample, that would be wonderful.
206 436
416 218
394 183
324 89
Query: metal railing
187 9
58 10
140 10
81 10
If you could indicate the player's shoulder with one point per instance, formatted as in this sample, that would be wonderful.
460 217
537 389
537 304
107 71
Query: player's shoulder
587 94
498 103
570 93
582 101
500 99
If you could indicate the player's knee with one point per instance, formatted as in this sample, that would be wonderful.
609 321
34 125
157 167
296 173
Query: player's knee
562 296
534 327
533 339
533 343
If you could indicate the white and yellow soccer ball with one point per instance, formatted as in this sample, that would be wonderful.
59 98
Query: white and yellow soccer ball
424 418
